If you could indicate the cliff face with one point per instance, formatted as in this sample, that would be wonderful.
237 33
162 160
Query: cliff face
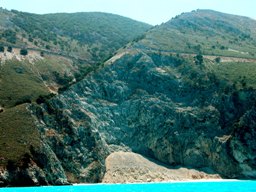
147 103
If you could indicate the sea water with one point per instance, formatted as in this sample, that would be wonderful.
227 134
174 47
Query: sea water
223 186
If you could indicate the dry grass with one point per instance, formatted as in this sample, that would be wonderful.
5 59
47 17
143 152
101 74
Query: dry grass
19 83
241 74
18 134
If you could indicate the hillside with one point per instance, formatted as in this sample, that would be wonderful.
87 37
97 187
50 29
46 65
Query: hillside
157 107
89 36
40 57
62 48
206 31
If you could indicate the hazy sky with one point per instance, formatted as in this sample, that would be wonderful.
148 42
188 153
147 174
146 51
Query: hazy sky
150 11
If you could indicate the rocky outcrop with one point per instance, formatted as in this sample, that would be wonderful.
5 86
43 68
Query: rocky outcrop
40 168
242 144
128 167
78 146
161 106
25 159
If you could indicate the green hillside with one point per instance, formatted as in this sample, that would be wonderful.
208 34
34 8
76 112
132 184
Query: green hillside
226 42
205 31
68 46
91 36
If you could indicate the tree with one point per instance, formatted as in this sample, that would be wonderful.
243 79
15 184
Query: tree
222 47
199 59
24 52
9 49
1 48
42 54
47 47
10 36
217 59
30 39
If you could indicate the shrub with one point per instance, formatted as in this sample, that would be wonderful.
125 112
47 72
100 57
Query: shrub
10 36
24 99
24 52
62 80
30 39
217 59
1 48
222 47
9 49
44 98
47 47
199 59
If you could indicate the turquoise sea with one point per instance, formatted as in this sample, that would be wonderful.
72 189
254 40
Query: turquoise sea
224 186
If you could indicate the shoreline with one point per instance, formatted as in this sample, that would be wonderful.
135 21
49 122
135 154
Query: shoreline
163 182
142 183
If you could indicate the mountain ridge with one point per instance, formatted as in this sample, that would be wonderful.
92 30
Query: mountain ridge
60 29
197 32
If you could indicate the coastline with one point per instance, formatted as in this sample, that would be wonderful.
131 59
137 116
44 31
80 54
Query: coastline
162 182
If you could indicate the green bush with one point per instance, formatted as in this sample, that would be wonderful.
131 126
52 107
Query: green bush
62 79
47 47
199 59
30 39
217 59
1 48
24 99
43 98
9 49
10 36
24 52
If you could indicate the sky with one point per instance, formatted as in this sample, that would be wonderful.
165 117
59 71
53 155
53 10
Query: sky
150 11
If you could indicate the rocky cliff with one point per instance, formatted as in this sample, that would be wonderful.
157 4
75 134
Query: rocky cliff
171 107
149 104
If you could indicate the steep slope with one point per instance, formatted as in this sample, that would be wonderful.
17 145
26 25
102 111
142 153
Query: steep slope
62 48
164 107
40 57
205 31
89 36
175 107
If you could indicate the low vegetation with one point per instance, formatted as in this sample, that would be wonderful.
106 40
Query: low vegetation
242 75
206 32
90 36
18 134
19 84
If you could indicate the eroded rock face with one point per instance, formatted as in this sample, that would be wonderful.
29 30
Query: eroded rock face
164 107
77 146
42 168
243 145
